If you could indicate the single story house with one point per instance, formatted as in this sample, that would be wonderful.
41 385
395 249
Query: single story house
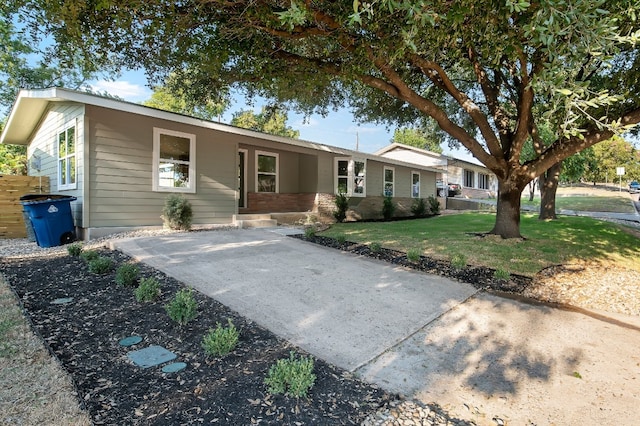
121 160
475 180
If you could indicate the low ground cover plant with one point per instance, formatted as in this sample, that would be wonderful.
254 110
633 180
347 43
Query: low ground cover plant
292 376
148 290
74 249
127 274
221 340
89 255
183 307
100 265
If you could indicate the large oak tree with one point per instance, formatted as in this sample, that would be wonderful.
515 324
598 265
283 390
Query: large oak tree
485 71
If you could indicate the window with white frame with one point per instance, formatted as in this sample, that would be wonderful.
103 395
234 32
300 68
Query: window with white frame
388 187
67 157
469 179
173 161
415 184
350 177
266 172
483 181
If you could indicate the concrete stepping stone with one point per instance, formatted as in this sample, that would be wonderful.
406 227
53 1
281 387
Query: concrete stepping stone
62 300
151 356
130 341
174 367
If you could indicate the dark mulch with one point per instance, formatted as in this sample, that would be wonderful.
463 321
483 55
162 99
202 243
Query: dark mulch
479 277
84 336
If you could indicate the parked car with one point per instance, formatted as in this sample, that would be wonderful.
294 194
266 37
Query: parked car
453 189
634 186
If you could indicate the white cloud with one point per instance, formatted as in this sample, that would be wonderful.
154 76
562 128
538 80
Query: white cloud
124 89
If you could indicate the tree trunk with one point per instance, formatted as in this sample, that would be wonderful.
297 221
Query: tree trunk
532 189
508 211
548 188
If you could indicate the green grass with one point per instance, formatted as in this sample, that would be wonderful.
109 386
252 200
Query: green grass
546 242
588 203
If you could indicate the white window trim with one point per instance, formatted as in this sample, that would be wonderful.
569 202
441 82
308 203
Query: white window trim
415 172
351 166
66 127
191 188
352 177
384 182
270 154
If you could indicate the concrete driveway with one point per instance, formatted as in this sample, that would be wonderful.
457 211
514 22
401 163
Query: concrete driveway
480 356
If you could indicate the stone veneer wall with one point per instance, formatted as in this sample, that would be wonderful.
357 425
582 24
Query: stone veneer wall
260 202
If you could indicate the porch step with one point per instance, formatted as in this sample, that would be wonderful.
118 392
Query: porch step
254 221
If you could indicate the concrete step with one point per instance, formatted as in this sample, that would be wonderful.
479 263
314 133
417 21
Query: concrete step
255 216
256 223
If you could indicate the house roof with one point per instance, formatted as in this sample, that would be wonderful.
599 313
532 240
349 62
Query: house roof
30 106
450 159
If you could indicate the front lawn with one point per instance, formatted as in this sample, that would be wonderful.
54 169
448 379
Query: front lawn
588 203
546 242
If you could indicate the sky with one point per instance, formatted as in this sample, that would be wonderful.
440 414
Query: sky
337 128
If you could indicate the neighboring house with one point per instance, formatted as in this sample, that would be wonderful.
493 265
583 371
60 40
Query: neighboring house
121 160
475 180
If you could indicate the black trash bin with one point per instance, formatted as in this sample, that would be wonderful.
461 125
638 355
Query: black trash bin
51 218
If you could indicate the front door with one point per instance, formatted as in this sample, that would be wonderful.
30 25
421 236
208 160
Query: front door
242 170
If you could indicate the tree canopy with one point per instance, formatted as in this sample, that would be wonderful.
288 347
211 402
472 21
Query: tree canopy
270 120
418 138
485 71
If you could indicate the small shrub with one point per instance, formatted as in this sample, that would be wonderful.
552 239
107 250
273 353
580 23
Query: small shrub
127 274
89 255
419 207
148 290
100 265
458 261
434 205
74 249
342 204
220 341
310 232
413 254
293 376
388 207
375 247
341 239
501 274
183 308
177 212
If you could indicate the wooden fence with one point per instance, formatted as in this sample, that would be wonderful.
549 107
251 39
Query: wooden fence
11 189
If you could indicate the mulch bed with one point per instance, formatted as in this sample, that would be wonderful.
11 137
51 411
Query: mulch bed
479 277
84 336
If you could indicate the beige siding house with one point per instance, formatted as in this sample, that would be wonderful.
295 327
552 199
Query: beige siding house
121 160
475 180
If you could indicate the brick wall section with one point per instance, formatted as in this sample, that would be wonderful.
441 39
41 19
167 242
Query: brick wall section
260 202
323 205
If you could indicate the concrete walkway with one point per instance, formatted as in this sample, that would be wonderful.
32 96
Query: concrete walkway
478 355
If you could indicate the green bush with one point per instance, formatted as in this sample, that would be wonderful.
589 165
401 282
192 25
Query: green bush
342 205
220 341
375 247
419 207
100 265
501 274
293 376
434 205
413 254
148 290
127 274
177 212
388 208
183 308
458 261
74 249
310 232
89 255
